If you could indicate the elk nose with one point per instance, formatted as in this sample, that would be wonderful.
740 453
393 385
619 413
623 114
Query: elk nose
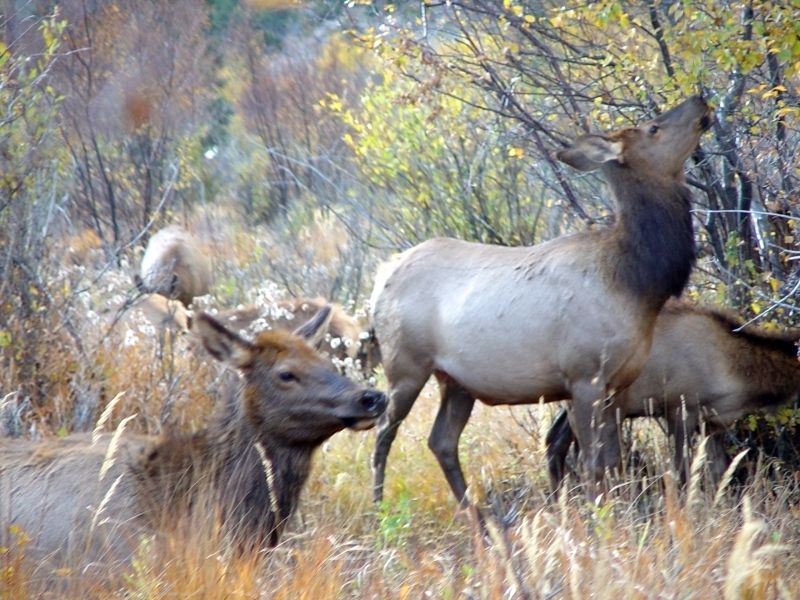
373 401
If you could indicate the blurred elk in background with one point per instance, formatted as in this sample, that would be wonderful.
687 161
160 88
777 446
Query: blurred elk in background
175 265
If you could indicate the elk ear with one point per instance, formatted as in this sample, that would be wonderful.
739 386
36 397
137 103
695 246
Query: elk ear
315 328
589 152
223 344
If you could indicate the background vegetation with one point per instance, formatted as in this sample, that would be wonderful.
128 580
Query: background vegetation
304 142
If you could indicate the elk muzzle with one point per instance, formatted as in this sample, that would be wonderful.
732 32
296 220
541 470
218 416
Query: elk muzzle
371 405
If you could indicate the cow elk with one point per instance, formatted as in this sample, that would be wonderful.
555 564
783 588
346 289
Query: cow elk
175 265
703 368
568 318
252 460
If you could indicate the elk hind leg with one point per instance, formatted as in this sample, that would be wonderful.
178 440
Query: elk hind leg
454 411
558 441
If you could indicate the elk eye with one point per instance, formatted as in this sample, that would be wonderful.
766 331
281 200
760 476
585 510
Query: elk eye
287 376
653 129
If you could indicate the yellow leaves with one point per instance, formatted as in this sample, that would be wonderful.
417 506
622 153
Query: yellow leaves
334 103
518 153
515 9
772 93
755 307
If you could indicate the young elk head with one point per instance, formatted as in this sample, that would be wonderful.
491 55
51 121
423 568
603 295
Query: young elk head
291 394
657 148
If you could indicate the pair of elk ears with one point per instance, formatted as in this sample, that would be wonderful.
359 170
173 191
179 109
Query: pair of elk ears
590 152
232 349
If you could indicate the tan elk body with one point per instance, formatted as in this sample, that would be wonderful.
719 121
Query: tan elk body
175 265
571 317
701 369
246 468
160 312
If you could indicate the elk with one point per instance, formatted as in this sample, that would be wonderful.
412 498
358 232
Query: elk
161 312
703 367
568 318
253 459
345 336
175 265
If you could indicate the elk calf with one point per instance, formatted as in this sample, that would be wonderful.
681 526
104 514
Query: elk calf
701 368
252 460
175 265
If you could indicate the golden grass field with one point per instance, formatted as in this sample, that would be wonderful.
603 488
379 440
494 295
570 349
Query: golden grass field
646 540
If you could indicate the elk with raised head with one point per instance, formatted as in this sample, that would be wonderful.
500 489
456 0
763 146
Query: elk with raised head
175 265
703 368
568 318
252 461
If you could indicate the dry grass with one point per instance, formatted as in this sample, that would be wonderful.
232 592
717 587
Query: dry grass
656 543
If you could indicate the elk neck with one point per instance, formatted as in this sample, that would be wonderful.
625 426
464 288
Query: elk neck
263 477
256 480
649 252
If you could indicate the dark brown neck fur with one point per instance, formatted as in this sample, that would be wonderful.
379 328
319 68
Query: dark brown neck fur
650 250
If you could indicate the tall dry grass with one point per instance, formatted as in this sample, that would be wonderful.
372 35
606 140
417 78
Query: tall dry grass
648 540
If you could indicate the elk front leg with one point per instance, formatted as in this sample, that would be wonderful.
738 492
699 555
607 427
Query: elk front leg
682 426
401 399
594 422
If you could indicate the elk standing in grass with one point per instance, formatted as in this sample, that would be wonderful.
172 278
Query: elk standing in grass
175 265
251 462
568 318
701 368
